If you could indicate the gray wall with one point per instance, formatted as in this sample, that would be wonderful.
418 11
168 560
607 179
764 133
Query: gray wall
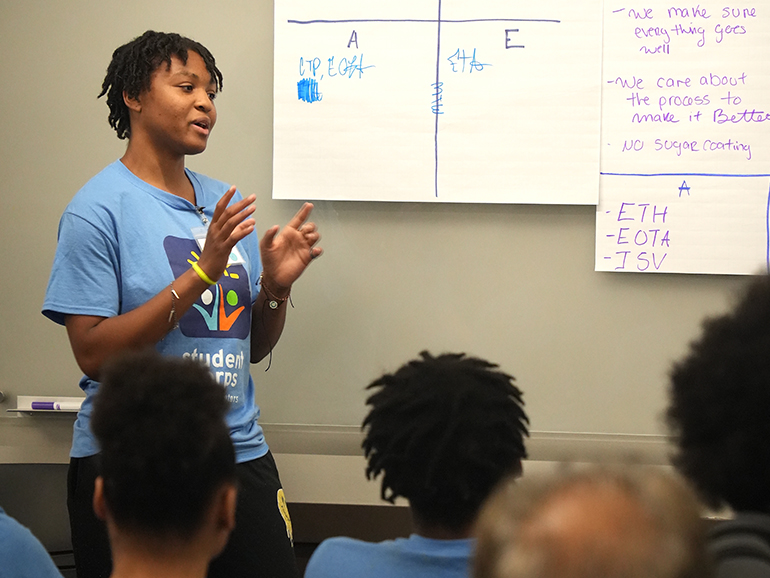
511 283
42 505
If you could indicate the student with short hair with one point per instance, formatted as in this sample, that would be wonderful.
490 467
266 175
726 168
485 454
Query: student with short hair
718 416
442 432
599 522
167 487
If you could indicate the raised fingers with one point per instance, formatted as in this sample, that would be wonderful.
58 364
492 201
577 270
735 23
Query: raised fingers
235 217
223 202
301 216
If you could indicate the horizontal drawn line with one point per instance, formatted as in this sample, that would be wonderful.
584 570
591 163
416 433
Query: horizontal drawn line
684 175
428 21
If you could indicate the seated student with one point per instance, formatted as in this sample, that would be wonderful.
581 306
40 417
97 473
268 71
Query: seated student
594 523
718 414
442 431
167 488
21 554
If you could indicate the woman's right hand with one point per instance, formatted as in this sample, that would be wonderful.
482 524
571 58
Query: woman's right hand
96 339
228 226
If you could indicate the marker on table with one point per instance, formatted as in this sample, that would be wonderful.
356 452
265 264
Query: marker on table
57 405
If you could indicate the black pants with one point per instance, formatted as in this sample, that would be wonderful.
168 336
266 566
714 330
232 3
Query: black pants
259 547
90 543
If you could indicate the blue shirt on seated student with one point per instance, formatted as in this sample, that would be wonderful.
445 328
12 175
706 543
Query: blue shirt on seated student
402 557
21 554
442 431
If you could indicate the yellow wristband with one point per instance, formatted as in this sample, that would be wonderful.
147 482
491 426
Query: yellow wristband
202 274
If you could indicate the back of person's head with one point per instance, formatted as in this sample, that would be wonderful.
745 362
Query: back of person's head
595 523
719 405
443 431
165 446
130 70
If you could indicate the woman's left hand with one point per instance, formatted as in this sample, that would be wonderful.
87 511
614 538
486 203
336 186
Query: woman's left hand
286 254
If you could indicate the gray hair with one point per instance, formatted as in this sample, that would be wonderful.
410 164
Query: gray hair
597 522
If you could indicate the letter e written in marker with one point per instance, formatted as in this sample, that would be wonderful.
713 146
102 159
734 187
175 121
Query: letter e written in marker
509 40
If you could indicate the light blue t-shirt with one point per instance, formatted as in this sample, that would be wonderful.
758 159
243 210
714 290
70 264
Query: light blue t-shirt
121 242
413 557
21 554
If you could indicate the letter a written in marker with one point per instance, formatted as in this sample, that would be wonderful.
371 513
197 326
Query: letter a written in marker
353 39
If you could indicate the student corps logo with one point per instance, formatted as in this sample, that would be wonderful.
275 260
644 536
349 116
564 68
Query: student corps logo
224 309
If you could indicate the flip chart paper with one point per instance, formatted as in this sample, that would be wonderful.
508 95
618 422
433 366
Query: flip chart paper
488 101
685 152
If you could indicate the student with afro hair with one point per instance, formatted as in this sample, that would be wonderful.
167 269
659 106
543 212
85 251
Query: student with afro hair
151 253
442 432
719 415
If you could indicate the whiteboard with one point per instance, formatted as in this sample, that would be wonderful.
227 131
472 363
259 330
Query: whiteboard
685 163
437 101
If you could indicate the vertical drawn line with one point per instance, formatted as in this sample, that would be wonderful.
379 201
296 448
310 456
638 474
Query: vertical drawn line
767 233
435 129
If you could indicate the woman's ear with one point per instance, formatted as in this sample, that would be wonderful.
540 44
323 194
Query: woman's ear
100 506
132 103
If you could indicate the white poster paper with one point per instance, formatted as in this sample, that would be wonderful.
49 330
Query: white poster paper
491 101
685 163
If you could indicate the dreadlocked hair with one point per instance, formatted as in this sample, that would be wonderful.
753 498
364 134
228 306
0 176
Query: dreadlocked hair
131 69
444 431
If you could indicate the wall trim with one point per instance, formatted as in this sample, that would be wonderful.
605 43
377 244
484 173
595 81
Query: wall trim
551 446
